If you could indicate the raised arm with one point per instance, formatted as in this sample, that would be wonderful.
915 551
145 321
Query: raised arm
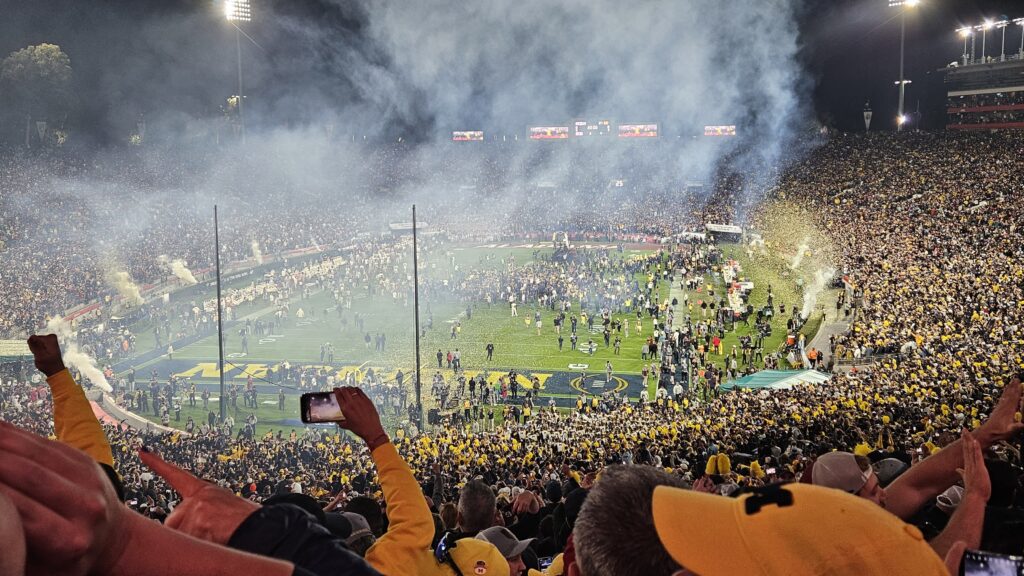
73 419
967 522
410 527
74 524
927 479
282 531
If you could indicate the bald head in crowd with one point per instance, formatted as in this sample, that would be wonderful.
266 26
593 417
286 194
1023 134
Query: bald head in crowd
614 534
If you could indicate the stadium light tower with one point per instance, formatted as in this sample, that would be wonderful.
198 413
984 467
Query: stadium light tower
985 27
1002 51
1020 21
238 11
903 5
965 33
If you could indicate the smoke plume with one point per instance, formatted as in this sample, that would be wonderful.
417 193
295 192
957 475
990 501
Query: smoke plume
800 251
822 277
256 253
75 358
181 271
120 281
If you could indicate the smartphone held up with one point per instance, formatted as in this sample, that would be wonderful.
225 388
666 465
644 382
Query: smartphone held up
979 563
319 407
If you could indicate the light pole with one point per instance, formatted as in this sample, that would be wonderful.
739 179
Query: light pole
1002 50
1020 21
965 33
238 11
984 32
902 5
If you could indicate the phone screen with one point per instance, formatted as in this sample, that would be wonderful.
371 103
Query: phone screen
320 407
978 563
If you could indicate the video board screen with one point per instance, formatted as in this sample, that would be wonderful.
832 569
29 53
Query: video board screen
720 130
599 128
468 135
549 132
638 130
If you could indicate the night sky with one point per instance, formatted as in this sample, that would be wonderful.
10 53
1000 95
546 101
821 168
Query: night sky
135 57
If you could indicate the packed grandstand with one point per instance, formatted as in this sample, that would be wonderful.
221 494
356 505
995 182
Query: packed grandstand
920 337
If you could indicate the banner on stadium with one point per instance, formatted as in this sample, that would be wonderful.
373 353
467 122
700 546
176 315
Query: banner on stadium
729 130
638 130
724 229
467 136
11 350
549 132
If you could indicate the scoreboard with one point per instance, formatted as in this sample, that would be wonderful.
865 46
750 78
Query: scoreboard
720 130
468 136
599 128
549 132
638 130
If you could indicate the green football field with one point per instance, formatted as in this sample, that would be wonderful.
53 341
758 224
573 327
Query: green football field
517 344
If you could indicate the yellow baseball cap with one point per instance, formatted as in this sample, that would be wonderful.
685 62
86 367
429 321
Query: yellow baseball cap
479 558
789 529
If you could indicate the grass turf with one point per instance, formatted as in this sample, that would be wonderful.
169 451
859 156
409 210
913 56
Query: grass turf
515 339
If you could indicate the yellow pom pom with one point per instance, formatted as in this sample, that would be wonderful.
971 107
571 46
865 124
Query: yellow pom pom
885 419
712 467
724 465
755 469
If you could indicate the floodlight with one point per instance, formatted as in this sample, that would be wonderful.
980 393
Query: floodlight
899 3
987 25
1002 24
964 32
912 3
901 120
237 10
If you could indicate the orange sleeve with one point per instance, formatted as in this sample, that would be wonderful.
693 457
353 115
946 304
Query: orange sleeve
411 526
74 421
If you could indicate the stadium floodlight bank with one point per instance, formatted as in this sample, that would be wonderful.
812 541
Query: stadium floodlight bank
984 91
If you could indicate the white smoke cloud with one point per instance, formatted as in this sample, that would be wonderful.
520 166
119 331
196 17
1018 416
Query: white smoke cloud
822 277
75 358
120 281
257 254
181 271
800 251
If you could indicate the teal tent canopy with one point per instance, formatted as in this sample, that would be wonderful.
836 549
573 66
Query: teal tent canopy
778 379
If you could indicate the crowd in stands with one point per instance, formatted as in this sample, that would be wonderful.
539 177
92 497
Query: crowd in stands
896 466
994 99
